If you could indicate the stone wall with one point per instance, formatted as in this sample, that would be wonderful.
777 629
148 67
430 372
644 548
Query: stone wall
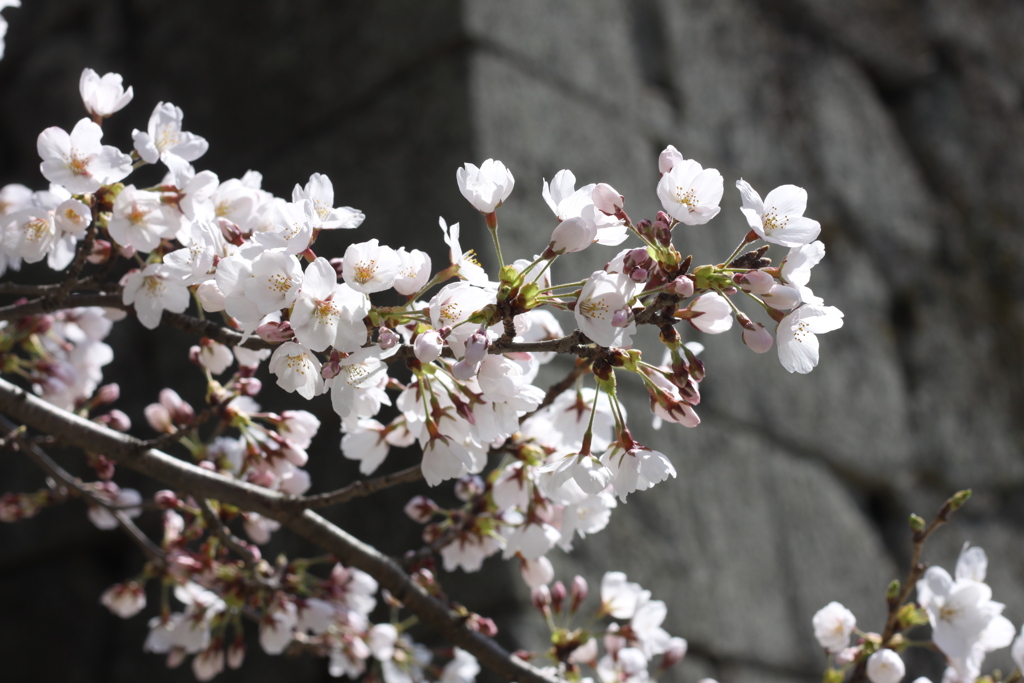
904 121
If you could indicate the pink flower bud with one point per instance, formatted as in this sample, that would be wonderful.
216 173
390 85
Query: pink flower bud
231 232
166 499
782 297
558 594
108 393
639 275
118 421
193 355
465 371
674 653
667 160
755 281
420 509
572 235
339 266
541 597
621 317
276 332
758 339
607 200
682 286
579 591
427 346
181 412
848 655
387 338
159 418
476 347
484 625
248 386
100 252
236 653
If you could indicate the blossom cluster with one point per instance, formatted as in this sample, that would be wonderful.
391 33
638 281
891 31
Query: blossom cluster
453 369
966 625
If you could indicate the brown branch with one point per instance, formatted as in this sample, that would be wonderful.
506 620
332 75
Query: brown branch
359 489
178 474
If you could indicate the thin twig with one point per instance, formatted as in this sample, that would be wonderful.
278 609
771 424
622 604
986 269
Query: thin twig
359 489
220 530
50 466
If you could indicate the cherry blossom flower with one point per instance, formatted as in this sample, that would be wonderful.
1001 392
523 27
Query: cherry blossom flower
601 297
164 139
413 271
795 335
140 219
297 369
367 444
124 599
485 187
780 217
690 193
462 669
619 597
468 267
566 203
103 95
275 282
370 267
153 290
78 161
320 191
833 625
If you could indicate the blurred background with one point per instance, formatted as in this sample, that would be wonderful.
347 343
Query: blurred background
904 120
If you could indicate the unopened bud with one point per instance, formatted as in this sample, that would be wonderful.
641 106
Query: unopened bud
621 317
958 500
276 332
668 158
248 386
339 266
757 338
193 356
387 338
607 199
166 499
236 653
159 418
118 421
231 232
572 235
579 591
211 296
464 370
180 411
674 653
484 626
893 591
541 597
682 286
427 347
108 393
558 594
476 347
916 523
100 252
639 275
755 281
848 656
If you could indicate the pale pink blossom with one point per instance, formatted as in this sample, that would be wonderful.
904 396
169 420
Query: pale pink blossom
78 161
780 217
320 190
795 335
370 267
103 95
885 666
164 139
600 298
833 625
297 369
485 187
153 290
716 313
690 193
